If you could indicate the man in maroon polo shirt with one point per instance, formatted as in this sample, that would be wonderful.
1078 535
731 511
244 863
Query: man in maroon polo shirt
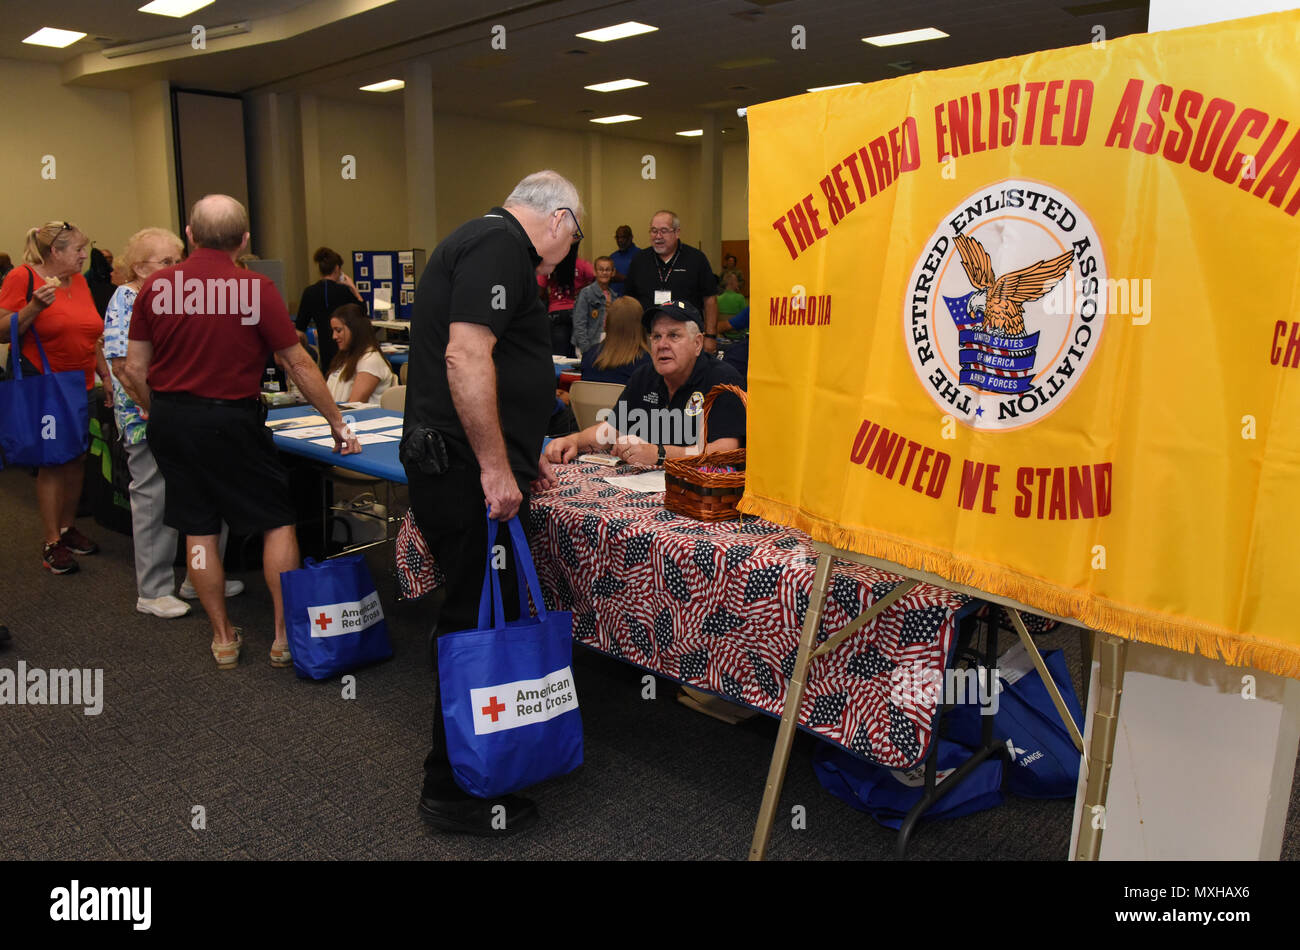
200 334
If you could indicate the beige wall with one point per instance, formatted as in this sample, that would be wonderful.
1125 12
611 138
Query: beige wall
735 193
115 172
368 213
91 136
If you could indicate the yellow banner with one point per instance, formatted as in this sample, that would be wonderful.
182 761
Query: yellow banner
1033 326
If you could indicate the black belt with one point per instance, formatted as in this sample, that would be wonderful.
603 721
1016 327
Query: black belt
192 400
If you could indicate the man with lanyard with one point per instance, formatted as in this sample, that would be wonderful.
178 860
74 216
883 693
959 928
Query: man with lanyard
659 413
622 258
669 271
482 387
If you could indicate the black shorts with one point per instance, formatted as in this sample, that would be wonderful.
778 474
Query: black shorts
219 463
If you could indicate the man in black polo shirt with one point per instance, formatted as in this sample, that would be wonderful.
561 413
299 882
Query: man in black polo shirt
659 412
480 398
669 270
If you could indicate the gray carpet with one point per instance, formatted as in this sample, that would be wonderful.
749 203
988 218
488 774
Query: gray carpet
287 769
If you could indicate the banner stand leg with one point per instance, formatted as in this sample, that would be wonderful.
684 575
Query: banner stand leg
1031 648
1111 653
790 714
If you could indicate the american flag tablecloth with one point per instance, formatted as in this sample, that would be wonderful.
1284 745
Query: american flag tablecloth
720 607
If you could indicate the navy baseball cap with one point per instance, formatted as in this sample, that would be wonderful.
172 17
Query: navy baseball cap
678 310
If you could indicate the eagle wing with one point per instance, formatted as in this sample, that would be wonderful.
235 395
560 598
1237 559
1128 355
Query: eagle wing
1032 282
976 260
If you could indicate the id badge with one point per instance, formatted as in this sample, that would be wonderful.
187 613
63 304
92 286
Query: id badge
663 297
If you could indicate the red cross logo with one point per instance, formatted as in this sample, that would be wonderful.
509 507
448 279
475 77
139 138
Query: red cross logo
322 621
493 708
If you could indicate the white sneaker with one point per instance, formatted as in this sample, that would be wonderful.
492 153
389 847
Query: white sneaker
233 588
166 606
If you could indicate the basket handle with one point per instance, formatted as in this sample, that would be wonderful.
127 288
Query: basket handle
714 393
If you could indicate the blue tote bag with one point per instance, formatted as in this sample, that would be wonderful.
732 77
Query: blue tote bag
334 618
46 418
1045 763
509 704
888 795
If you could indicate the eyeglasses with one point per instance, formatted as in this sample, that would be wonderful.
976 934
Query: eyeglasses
661 232
165 262
577 228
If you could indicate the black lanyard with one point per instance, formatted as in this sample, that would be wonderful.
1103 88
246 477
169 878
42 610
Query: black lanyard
663 278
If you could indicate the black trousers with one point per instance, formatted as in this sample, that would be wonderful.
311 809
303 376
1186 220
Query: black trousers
452 514
562 332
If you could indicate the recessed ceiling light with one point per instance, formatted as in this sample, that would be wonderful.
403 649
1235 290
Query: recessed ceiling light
174 7
620 31
49 36
911 36
611 119
616 84
836 86
691 133
388 85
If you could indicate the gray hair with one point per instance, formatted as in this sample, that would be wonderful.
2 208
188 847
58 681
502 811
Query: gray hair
677 222
692 329
545 192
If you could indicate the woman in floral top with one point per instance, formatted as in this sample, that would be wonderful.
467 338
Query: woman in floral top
147 252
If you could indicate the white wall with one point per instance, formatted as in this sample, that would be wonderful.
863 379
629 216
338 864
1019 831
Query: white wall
1175 14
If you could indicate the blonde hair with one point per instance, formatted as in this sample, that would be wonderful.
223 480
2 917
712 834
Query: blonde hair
138 246
624 335
48 237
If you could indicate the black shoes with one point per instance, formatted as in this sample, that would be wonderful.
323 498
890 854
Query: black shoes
494 818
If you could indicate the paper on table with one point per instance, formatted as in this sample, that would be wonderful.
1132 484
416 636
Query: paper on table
313 420
647 483
383 422
366 438
310 432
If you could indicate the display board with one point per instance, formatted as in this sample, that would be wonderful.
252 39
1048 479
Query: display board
386 281
1033 326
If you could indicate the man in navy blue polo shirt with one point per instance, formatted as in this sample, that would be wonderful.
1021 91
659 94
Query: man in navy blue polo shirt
659 412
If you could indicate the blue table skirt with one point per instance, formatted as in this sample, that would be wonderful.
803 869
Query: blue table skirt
379 460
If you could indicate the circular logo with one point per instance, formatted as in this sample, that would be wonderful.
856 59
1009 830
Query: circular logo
695 405
1006 305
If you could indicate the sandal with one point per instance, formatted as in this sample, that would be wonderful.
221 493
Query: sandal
280 657
227 654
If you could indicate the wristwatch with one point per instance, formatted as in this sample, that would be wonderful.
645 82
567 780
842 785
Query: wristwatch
710 336
663 454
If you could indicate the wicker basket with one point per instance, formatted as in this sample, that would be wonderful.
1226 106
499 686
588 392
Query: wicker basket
706 496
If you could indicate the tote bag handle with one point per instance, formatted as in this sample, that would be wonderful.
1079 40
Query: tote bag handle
15 348
527 575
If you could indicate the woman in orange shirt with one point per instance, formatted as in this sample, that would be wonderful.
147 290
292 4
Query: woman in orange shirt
60 308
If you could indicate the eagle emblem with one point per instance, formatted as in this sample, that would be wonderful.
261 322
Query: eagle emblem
997 302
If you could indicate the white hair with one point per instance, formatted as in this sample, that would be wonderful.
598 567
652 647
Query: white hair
545 192
677 222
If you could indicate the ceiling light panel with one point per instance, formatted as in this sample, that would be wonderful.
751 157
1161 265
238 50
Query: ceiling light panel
620 31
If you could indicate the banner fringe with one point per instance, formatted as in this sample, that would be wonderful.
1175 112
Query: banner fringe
1234 649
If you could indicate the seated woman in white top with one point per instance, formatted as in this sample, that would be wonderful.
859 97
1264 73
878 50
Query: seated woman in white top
358 372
